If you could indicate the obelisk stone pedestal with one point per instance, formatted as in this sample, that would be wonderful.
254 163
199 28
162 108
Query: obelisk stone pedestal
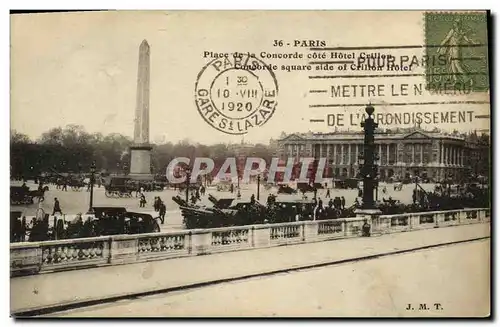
140 162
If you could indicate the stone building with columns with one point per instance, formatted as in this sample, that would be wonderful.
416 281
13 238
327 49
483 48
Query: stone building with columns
402 153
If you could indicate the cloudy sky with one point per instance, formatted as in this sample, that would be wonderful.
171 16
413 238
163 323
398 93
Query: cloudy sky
81 68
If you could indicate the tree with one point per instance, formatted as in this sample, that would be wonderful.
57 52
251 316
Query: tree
72 149
18 138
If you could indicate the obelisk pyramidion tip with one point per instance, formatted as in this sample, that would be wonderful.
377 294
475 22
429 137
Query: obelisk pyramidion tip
145 43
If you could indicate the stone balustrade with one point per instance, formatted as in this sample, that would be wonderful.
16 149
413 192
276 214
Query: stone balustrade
51 256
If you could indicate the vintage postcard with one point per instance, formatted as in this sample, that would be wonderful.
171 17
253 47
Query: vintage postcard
250 164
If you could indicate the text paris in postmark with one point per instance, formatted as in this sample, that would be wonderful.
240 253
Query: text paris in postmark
461 38
236 93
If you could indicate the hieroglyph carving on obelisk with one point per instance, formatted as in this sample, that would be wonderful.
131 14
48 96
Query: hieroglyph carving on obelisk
141 126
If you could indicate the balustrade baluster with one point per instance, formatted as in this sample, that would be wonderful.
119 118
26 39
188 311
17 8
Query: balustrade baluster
57 254
163 243
169 242
69 254
155 244
99 249
64 253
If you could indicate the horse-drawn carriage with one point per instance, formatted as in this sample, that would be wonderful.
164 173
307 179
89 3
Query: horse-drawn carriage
347 183
119 187
20 195
286 189
308 187
75 183
117 220
23 195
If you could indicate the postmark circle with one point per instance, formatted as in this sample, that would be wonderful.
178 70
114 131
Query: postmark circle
236 94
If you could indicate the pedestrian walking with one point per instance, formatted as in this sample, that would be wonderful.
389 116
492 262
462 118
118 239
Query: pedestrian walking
57 207
142 201
193 198
356 203
40 204
156 203
162 210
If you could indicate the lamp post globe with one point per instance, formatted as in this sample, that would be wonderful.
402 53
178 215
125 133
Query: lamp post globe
369 109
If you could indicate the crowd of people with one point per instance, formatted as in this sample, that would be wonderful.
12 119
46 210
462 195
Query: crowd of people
317 208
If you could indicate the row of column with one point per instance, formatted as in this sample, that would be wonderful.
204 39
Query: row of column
339 150
414 152
448 154
451 155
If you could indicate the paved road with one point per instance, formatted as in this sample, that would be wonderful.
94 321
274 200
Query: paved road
456 277
73 202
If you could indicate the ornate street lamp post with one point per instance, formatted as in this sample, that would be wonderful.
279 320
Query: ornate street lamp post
368 168
92 172
238 193
369 171
188 180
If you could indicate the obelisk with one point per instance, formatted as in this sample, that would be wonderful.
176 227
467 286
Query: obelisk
140 151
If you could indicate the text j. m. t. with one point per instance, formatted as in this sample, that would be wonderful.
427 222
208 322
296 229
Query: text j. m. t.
424 306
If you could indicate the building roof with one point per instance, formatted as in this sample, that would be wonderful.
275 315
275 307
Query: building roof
399 133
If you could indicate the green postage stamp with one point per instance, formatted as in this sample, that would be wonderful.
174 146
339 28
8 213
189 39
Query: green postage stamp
457 51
